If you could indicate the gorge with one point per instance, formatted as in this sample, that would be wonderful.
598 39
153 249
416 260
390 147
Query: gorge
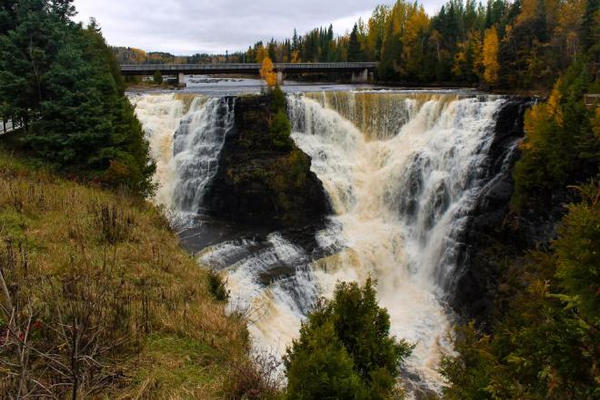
403 174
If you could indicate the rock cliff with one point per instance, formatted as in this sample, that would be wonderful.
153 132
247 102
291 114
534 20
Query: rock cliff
263 178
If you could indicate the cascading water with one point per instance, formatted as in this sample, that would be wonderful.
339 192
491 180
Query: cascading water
186 134
401 197
402 172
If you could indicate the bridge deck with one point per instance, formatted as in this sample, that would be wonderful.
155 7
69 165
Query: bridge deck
207 69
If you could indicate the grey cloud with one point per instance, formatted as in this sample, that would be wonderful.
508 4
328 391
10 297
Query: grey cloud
188 26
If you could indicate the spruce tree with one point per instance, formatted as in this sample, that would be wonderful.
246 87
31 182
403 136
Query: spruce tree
354 50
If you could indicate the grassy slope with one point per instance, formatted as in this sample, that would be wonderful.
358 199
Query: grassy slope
172 339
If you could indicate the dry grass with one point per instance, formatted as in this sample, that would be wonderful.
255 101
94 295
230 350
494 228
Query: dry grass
100 297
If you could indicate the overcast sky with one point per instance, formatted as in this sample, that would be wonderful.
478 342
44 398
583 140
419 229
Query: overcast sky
185 27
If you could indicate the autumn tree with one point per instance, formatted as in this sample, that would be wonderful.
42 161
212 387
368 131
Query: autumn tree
267 73
490 56
261 53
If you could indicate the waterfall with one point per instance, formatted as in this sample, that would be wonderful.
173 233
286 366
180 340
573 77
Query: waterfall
402 172
401 187
186 134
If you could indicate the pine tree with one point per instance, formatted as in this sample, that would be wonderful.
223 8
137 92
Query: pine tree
64 82
345 345
354 50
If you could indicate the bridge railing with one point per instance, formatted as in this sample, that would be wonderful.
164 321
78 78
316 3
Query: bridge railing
176 68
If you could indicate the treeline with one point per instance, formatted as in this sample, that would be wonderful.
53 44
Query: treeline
61 83
521 44
524 44
132 55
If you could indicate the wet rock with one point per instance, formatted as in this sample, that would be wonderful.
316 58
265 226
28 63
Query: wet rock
490 235
260 182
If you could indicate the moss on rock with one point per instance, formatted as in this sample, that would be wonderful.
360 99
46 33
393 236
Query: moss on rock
263 177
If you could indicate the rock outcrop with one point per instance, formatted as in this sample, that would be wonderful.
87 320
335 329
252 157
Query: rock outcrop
264 179
491 234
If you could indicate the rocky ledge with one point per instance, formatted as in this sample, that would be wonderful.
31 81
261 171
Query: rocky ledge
263 178
491 236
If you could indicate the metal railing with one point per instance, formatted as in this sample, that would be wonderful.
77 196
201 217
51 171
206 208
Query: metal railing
238 67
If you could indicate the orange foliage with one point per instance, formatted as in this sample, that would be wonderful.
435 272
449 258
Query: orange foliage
295 58
267 73
139 55
490 56
261 54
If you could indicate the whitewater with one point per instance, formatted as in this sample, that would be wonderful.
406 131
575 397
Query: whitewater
402 172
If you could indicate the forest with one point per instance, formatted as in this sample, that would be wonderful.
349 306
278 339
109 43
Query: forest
513 45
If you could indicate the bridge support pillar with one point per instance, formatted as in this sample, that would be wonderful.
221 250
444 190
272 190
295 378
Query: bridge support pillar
360 77
181 80
280 78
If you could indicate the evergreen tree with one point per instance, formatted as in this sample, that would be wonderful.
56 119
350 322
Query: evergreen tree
354 49
354 332
63 81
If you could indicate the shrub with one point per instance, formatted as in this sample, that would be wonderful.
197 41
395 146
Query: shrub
345 350
280 130
253 379
217 286
157 77
278 101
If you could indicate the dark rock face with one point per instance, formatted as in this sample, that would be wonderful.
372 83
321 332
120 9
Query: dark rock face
259 183
491 235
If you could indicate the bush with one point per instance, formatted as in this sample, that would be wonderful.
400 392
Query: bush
278 101
560 146
256 378
345 350
217 287
157 78
280 130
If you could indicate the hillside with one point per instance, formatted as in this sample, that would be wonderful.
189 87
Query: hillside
107 302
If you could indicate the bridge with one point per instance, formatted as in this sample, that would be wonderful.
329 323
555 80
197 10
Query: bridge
360 70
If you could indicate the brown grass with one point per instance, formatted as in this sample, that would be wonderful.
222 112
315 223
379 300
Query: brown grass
100 300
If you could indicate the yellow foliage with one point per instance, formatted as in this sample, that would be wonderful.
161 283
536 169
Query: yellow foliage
554 109
539 116
376 28
417 22
267 73
569 24
460 58
490 56
295 57
139 55
528 8
533 117
261 54
476 44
